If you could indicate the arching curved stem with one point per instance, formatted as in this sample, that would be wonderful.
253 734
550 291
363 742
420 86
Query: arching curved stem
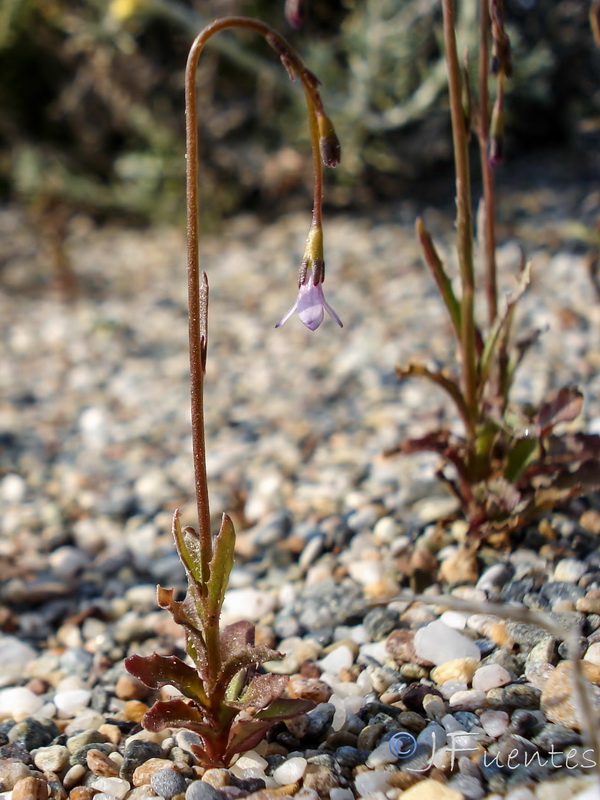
197 286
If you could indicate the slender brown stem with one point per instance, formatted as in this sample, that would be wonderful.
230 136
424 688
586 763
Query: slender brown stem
198 289
489 200
464 223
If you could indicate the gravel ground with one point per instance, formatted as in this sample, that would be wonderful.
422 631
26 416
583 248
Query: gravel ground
95 456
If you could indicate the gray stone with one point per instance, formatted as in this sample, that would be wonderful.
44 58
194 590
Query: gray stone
168 782
200 790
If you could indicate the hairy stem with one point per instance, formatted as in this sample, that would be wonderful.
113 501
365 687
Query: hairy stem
198 288
489 200
464 223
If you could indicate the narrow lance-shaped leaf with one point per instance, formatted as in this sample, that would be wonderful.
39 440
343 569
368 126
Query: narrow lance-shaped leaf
189 558
221 564
443 283
446 383
501 324
520 455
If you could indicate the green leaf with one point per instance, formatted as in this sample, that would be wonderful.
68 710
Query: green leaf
156 671
221 564
520 455
262 690
501 326
188 548
285 708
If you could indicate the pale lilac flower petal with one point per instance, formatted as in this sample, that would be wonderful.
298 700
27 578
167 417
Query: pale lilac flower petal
311 306
285 317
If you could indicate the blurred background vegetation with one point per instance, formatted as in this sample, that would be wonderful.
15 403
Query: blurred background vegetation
91 100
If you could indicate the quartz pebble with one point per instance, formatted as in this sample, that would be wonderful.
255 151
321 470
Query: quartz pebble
490 676
18 702
439 644
290 771
113 787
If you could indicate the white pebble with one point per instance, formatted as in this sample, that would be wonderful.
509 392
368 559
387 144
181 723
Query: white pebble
438 643
490 676
67 561
366 571
340 794
457 620
592 654
113 787
520 793
569 570
448 688
250 604
339 716
12 488
340 657
469 700
14 657
494 723
290 771
367 783
383 754
18 703
249 765
376 651
90 720
71 701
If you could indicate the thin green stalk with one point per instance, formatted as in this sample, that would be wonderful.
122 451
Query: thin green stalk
464 223
489 200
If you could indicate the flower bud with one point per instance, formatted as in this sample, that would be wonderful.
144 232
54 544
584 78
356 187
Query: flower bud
329 144
295 12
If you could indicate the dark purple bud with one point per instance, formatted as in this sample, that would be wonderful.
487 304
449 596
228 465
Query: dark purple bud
329 144
496 151
295 12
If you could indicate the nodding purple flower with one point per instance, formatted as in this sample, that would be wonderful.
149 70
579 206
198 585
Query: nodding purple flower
311 305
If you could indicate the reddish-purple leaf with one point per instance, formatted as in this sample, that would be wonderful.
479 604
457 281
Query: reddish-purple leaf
176 714
156 671
564 406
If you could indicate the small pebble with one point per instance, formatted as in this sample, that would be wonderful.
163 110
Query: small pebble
53 758
12 771
290 771
113 787
167 783
439 644
490 676
200 790
143 774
